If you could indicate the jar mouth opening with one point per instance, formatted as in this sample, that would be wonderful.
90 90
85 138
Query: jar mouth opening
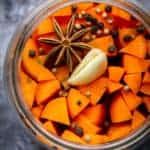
11 79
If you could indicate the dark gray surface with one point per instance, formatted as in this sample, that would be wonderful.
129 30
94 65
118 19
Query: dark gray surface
12 134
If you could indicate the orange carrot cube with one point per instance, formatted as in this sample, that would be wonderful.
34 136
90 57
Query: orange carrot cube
49 126
95 90
133 81
114 86
137 47
131 99
138 120
115 73
46 90
96 114
118 105
145 88
56 110
70 136
76 102
86 125
117 131
28 87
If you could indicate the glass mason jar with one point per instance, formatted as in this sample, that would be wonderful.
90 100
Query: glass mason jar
12 61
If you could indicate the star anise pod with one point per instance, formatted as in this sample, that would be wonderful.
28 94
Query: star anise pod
67 44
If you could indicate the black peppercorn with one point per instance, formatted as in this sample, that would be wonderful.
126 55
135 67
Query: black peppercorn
74 8
94 29
140 29
87 17
147 36
106 124
112 48
79 103
100 25
32 53
78 130
127 38
94 21
108 8
114 34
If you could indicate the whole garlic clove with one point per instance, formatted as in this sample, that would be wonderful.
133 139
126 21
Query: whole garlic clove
92 66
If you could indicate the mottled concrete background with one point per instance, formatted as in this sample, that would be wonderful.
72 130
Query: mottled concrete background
12 134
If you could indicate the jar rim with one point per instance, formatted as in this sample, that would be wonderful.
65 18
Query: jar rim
10 73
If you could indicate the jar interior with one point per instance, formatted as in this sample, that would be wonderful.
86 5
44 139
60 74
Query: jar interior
28 27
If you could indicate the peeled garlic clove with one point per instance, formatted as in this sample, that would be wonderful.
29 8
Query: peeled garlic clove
92 66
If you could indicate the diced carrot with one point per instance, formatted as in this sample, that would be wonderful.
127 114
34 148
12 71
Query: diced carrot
63 12
86 125
36 111
46 90
95 138
133 64
62 73
84 6
103 43
76 102
146 64
133 81
145 88
126 31
96 89
115 73
28 87
113 86
132 100
48 125
36 70
116 11
70 136
45 27
146 78
101 6
146 100
96 114
117 131
137 47
116 107
56 110
138 119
